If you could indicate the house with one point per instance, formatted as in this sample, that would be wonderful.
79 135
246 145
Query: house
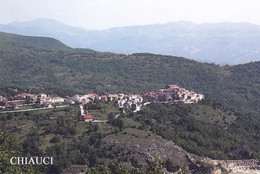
75 98
121 103
128 105
43 100
112 97
94 96
19 97
14 105
57 100
140 99
129 97
4 102
69 101
84 102
152 93
88 118
104 98
31 97
200 96
121 96
85 97
170 98
42 95
193 96
161 90
78 98
171 87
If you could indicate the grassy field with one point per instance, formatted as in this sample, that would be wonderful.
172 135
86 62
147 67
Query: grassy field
20 124
105 110
214 116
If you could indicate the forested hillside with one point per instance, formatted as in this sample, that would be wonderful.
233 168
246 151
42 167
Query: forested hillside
206 129
31 62
175 133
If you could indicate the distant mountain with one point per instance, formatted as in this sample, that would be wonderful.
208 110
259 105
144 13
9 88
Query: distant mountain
47 28
47 63
221 43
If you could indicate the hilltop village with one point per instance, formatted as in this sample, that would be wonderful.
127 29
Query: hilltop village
131 102
174 93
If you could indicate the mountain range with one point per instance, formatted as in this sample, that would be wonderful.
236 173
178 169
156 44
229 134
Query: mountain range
221 43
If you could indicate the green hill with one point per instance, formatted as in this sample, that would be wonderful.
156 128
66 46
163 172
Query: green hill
14 40
206 129
173 132
31 62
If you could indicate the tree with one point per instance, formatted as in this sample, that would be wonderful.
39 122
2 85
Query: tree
32 142
170 166
7 151
55 139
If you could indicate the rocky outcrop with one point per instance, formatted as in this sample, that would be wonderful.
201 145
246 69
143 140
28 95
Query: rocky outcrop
236 166
145 146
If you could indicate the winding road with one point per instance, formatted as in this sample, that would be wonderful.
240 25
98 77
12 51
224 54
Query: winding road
36 109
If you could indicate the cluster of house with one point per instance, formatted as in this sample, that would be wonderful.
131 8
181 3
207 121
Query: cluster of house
82 99
48 100
174 93
43 99
5 103
129 102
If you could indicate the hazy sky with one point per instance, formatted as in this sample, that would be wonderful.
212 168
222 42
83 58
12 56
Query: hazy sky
102 14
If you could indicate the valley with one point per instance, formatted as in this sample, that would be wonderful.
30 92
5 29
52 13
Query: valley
215 129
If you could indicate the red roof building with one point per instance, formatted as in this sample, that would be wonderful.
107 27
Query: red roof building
87 118
94 94
104 98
